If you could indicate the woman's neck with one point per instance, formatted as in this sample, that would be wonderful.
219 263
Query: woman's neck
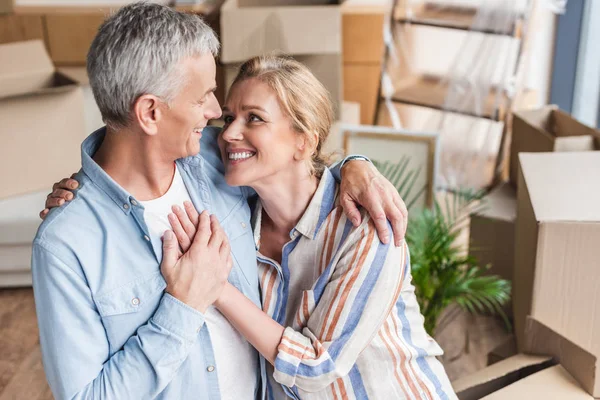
285 198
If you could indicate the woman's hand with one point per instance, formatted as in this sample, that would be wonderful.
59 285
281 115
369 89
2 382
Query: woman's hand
61 193
363 185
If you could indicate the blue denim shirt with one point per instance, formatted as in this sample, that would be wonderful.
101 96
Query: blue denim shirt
107 328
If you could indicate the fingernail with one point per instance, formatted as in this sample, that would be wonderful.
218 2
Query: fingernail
61 202
168 235
73 185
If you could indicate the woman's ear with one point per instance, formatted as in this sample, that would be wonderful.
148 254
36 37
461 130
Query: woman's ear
147 112
304 147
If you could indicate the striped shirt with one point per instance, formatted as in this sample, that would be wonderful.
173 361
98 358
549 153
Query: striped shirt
353 325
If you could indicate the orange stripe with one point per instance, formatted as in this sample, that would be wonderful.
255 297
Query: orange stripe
338 288
309 350
342 387
305 306
396 363
321 266
355 272
335 396
290 351
338 216
269 292
397 344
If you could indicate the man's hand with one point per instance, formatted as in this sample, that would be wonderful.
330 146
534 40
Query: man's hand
363 185
61 193
198 277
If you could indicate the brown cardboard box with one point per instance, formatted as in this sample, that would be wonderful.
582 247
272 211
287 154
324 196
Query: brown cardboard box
326 67
499 375
248 31
6 6
548 129
557 267
361 85
362 34
18 28
492 233
553 383
504 350
583 365
41 120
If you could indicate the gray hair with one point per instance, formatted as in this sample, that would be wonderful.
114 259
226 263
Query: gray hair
137 51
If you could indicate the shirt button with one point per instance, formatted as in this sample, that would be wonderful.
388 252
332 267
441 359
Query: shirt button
146 238
135 301
126 206
243 224
134 202
210 369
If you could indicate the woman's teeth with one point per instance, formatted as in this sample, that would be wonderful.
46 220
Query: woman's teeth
240 156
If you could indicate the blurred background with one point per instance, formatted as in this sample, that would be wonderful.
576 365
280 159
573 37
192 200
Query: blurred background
483 113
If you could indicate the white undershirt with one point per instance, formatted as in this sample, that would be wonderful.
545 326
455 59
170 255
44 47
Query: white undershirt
237 366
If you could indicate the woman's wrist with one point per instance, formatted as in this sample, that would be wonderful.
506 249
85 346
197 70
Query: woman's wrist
224 296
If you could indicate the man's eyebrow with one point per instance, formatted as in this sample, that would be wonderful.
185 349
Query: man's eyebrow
211 90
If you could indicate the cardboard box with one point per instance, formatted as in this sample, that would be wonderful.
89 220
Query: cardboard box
583 365
326 67
361 85
503 351
248 31
362 34
18 28
19 221
553 383
492 232
499 375
6 6
557 267
548 129
41 120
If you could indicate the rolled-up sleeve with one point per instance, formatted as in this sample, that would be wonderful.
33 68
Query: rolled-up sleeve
353 306
75 349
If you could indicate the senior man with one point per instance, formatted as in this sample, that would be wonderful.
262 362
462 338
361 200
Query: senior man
111 324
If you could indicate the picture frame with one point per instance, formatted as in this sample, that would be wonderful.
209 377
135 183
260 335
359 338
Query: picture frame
418 151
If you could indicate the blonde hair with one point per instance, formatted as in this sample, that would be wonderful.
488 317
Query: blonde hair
303 98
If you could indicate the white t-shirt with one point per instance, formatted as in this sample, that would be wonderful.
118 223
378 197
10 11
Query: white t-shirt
237 366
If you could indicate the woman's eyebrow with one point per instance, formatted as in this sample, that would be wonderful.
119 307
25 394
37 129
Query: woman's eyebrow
251 107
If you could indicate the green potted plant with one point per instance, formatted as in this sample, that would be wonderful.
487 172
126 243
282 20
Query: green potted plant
443 272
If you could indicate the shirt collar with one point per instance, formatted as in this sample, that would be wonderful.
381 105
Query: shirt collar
320 206
98 176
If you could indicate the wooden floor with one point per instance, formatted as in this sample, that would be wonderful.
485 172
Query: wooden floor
21 372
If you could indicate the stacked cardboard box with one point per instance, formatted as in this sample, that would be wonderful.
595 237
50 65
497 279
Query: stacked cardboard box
521 377
308 30
363 49
41 128
19 220
6 6
548 129
492 232
557 260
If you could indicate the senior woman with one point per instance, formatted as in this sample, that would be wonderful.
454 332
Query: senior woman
339 316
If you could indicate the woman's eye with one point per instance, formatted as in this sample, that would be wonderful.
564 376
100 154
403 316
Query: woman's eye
228 119
254 118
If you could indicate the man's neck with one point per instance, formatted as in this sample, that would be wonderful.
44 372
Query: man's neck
129 158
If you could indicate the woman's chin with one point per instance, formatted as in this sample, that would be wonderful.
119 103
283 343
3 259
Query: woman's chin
234 180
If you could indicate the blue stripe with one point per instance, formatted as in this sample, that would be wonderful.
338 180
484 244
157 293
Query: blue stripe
282 300
421 354
357 383
356 312
324 278
327 201
290 369
358 307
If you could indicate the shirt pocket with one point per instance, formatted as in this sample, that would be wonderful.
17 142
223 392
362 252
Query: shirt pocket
127 307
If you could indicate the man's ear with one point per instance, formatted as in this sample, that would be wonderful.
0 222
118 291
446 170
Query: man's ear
147 111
